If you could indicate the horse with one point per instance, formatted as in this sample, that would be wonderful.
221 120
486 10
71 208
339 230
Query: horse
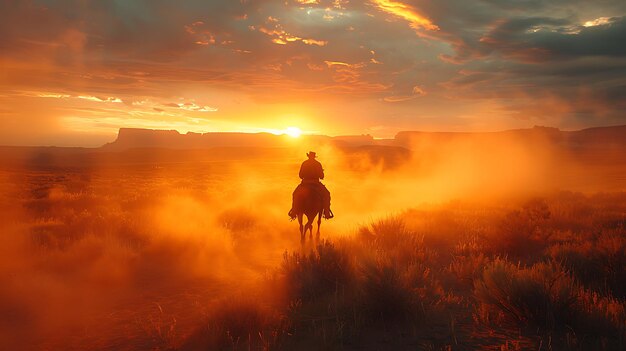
308 201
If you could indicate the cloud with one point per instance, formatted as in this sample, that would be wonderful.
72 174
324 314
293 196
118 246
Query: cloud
540 39
308 2
328 58
416 20
67 96
190 106
415 92
274 29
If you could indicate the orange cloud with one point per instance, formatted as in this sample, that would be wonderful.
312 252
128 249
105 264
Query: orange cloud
66 96
344 64
202 37
416 92
282 37
315 42
191 106
404 11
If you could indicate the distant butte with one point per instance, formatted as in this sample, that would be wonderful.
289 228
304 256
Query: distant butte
131 138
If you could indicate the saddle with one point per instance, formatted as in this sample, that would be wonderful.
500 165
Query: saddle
314 187
308 195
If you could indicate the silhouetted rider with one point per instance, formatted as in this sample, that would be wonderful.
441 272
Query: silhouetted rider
311 172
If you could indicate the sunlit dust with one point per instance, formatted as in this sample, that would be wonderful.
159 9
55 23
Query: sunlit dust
194 234
312 174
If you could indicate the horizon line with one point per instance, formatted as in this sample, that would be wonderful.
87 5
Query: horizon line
305 134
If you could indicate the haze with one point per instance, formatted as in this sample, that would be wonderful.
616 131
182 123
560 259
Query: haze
475 152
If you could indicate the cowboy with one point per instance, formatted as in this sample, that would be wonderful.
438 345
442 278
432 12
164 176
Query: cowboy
311 172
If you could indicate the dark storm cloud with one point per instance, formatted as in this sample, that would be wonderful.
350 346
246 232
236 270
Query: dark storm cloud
530 30
589 89
562 58
553 39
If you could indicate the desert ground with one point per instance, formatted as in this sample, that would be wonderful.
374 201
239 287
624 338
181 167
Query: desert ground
460 249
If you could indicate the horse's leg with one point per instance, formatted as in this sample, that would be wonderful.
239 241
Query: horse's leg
301 228
319 222
309 226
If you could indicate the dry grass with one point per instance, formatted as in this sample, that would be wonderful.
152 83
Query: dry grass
459 276
543 295
513 269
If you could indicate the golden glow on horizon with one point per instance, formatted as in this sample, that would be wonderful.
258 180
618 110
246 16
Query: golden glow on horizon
111 125
293 132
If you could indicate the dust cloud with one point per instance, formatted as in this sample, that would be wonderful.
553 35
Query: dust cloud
136 254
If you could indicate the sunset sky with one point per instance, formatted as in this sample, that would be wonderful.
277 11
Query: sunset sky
73 72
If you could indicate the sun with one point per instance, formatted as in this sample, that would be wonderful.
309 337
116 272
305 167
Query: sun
293 132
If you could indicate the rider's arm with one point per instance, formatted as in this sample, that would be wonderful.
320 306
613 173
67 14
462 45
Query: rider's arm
301 173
